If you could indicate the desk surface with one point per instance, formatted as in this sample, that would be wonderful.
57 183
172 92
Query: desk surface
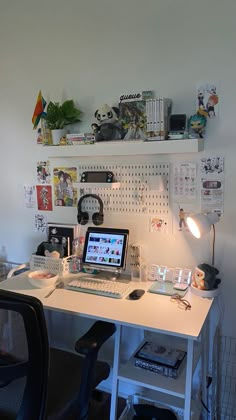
152 312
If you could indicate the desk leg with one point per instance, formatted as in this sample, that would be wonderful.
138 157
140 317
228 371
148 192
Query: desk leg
188 385
205 364
114 390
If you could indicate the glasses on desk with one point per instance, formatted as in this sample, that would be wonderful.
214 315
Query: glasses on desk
182 303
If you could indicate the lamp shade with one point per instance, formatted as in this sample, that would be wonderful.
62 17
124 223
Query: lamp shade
200 224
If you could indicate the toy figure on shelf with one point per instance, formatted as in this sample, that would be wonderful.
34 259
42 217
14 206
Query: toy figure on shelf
197 123
107 126
204 277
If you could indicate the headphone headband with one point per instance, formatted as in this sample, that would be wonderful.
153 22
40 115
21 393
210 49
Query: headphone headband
83 217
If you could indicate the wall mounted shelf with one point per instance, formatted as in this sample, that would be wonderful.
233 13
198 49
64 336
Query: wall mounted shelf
112 185
127 148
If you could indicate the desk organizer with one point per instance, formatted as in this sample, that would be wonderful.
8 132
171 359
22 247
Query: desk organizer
54 265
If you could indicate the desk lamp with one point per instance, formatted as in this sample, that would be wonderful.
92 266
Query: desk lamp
200 224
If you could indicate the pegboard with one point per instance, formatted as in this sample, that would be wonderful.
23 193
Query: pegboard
134 194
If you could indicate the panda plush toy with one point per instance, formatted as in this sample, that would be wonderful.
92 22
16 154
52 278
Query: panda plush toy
107 126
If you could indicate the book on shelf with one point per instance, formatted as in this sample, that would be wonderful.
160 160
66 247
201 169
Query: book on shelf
159 353
80 138
159 359
133 119
161 368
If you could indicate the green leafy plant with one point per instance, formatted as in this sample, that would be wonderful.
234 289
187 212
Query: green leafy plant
58 116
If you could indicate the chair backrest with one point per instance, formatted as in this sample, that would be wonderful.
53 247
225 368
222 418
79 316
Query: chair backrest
24 357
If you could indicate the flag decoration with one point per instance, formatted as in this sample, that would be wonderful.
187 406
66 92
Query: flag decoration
38 110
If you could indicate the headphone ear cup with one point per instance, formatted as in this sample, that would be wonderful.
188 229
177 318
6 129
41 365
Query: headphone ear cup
97 219
82 218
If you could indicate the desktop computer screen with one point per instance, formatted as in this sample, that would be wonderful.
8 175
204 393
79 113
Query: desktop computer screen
106 248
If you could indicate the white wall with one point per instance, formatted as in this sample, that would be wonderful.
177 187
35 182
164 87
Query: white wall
93 51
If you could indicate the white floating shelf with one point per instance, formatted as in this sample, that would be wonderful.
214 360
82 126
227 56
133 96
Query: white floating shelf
110 185
127 148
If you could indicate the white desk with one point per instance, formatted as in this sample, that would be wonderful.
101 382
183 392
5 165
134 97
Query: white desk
152 312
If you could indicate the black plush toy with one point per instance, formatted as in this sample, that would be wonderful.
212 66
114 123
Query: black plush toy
107 126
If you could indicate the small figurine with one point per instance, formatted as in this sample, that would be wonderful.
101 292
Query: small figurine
107 126
204 277
197 123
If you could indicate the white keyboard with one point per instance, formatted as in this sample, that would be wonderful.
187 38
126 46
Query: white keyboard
109 288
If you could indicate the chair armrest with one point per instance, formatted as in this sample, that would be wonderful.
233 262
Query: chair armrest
95 337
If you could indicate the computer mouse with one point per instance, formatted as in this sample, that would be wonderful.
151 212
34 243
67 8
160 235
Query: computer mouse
136 294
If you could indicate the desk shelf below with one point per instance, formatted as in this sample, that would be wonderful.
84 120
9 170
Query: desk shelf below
154 381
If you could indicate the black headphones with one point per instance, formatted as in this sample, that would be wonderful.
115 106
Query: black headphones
83 217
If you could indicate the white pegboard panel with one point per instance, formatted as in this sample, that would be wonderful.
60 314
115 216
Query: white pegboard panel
134 194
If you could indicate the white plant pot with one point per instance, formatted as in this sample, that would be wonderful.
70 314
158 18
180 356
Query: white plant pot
57 135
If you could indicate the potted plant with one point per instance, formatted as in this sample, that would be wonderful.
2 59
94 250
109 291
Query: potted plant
59 115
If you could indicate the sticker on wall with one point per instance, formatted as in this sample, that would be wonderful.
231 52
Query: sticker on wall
40 223
64 192
43 172
207 99
184 181
159 224
213 166
29 196
44 197
180 213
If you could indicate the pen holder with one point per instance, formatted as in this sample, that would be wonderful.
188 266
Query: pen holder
135 273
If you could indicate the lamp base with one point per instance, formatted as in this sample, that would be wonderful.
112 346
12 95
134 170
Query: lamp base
205 293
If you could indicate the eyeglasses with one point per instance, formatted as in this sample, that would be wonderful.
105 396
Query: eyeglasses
182 303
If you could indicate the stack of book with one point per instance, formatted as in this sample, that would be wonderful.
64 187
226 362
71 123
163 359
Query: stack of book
166 361
145 119
158 113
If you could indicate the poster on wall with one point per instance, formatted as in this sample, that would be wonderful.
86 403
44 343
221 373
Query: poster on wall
184 181
65 194
43 172
29 196
159 223
207 99
212 184
40 223
44 197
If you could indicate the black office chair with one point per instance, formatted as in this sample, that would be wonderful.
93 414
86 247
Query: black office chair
40 383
